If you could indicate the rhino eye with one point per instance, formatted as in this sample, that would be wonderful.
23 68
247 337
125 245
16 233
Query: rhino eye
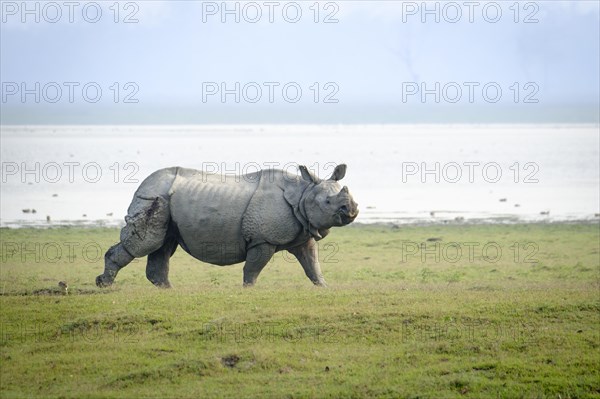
328 202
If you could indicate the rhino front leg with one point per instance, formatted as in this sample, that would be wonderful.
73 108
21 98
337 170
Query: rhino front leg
256 259
308 256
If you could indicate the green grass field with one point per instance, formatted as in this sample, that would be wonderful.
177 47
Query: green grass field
500 311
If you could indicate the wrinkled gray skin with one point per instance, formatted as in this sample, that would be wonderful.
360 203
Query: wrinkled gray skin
230 219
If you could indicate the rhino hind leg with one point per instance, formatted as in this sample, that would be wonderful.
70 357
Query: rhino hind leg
115 258
157 268
145 233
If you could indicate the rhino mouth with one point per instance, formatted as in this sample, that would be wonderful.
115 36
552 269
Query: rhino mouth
347 216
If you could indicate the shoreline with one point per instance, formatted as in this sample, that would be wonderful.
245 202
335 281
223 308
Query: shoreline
394 224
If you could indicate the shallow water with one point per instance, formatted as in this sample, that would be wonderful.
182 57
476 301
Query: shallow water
397 173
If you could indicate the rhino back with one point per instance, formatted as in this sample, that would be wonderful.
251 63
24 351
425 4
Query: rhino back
157 184
208 210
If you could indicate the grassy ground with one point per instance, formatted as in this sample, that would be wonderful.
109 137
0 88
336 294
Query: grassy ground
476 311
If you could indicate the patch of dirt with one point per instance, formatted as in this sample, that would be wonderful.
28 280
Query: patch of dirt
56 292
46 291
482 288
230 361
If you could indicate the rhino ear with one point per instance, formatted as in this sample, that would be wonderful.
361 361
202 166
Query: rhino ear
339 172
308 176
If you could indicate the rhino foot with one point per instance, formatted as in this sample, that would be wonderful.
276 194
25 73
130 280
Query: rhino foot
103 281
161 284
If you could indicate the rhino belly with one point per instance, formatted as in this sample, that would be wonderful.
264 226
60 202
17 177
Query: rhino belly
208 215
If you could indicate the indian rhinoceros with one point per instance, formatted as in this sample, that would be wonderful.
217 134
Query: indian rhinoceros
224 219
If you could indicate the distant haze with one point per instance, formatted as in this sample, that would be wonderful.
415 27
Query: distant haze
368 64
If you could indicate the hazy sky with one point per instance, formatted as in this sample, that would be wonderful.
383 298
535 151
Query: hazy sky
362 62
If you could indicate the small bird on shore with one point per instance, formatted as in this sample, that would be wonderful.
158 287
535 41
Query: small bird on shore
64 287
